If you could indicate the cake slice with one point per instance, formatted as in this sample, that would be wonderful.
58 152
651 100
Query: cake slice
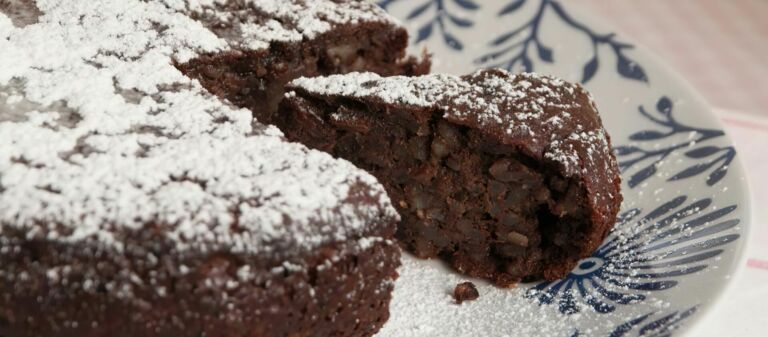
507 177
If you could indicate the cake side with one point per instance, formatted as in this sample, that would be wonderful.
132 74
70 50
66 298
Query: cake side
507 177
111 158
85 289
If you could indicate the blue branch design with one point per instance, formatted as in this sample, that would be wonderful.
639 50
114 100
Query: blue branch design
708 157
443 19
515 52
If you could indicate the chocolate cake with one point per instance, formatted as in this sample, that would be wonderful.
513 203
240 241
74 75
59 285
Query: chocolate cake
507 177
134 202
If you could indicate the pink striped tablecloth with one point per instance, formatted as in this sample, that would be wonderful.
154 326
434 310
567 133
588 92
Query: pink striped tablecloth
721 48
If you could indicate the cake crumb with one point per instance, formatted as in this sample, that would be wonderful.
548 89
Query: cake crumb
465 291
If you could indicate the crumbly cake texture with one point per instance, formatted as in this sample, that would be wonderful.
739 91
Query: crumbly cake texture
305 38
133 202
507 177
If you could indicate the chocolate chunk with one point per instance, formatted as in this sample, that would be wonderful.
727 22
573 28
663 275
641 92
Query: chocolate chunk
465 291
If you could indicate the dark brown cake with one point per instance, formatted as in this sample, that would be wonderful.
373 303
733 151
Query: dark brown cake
150 289
507 177
254 77
465 291
133 202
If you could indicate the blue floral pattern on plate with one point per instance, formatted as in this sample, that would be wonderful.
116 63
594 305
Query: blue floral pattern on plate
665 240
440 19
510 51
694 137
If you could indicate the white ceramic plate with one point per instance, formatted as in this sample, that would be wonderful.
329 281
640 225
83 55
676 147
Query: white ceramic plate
681 231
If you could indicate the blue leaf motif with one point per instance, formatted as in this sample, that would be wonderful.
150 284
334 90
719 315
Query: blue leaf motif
666 208
667 323
461 22
467 4
621 330
545 53
692 171
625 150
642 175
648 135
452 41
385 3
630 69
424 33
659 285
717 175
649 151
418 11
503 38
590 69
664 105
511 7
527 64
703 152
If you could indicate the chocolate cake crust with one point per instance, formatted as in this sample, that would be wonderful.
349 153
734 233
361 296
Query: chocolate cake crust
507 177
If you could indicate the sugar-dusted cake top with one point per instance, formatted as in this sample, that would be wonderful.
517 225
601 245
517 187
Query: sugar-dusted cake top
100 135
254 24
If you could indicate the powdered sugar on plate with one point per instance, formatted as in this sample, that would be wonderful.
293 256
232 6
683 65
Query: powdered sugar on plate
423 306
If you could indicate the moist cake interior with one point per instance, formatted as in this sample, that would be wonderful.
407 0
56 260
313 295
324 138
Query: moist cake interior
488 209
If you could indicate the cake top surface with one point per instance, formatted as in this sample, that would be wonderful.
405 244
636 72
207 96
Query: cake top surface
254 24
100 135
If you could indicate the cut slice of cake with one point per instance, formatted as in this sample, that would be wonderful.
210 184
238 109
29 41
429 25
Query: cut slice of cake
507 177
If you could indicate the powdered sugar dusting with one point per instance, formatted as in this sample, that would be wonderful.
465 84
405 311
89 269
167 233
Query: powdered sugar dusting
254 24
565 151
313 18
484 97
102 135
423 306
422 91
